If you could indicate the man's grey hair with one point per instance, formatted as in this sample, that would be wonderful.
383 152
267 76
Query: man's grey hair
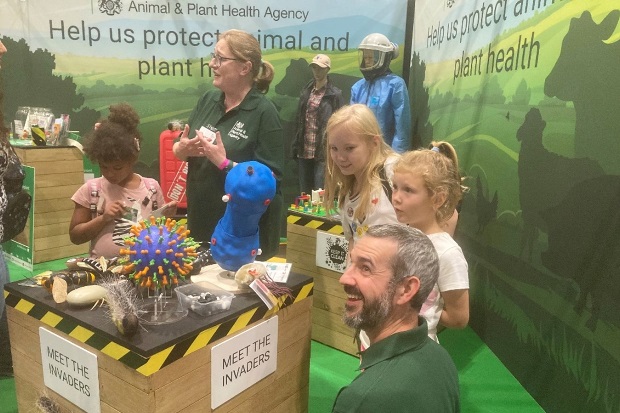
415 255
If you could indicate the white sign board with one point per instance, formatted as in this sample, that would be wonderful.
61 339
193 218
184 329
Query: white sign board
70 371
240 362
331 251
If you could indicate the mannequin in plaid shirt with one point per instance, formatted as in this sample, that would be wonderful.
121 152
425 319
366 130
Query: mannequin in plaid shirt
317 101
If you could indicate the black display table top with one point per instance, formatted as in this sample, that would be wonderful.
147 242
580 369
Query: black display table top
38 303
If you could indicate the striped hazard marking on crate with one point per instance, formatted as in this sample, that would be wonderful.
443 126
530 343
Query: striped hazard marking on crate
318 223
157 361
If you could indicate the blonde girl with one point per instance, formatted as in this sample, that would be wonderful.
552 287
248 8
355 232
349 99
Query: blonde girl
358 170
426 189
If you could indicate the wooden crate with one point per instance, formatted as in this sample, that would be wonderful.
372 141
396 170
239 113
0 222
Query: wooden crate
59 172
182 385
329 297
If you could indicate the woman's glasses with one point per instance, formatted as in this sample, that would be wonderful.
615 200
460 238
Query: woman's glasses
217 59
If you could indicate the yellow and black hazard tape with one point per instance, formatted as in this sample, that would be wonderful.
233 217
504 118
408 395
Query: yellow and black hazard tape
315 222
154 363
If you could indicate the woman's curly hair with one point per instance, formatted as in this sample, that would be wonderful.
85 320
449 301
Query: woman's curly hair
116 138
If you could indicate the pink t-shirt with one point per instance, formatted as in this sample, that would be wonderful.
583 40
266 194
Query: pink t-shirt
140 202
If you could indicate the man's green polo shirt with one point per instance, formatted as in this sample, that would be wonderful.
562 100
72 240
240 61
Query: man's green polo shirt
405 372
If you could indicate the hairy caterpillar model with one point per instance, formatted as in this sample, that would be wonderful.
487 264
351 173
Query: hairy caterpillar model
122 299
157 253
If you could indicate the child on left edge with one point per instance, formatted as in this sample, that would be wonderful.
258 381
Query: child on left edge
108 205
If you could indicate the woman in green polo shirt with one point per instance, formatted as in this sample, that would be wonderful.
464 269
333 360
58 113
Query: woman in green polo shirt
246 126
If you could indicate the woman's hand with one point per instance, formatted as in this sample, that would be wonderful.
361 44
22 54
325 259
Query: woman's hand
215 151
186 147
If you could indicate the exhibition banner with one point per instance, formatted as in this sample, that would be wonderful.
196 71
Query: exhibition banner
527 93
81 57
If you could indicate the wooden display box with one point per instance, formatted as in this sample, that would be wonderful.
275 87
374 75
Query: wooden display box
176 376
59 172
329 297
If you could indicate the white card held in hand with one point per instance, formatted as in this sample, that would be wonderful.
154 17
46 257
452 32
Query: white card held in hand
208 133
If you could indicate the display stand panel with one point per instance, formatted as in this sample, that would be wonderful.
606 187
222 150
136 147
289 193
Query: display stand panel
329 297
58 173
168 367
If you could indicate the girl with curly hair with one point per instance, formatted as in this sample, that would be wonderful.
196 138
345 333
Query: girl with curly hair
106 207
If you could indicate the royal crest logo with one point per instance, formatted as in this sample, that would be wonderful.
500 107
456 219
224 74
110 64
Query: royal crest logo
238 131
110 7
336 253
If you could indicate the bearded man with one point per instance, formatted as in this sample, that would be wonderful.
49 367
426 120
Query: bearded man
392 270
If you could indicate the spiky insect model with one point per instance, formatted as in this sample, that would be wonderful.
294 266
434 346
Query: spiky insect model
158 252
250 187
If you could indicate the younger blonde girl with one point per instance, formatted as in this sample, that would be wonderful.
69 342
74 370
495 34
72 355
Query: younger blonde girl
426 189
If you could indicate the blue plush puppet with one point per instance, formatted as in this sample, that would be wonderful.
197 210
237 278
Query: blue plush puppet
250 187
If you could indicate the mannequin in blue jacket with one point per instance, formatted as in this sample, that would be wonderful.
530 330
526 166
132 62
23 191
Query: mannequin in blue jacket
384 92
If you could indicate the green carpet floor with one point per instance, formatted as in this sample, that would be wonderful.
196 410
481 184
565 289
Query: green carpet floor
486 385
8 402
